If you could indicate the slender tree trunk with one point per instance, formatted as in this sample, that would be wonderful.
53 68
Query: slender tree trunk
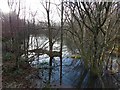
95 51
107 62
50 41
61 43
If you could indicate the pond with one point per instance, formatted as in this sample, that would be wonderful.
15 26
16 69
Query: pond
72 68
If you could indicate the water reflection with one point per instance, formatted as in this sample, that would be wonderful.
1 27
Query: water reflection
74 73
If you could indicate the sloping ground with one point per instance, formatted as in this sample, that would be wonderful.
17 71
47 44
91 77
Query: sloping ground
13 77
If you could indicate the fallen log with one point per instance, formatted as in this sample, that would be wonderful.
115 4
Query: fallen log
42 51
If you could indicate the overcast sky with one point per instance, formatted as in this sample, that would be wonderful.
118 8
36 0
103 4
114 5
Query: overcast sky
33 6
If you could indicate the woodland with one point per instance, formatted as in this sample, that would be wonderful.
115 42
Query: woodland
82 50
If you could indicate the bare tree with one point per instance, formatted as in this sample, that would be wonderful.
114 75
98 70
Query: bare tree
47 8
61 45
92 26
16 29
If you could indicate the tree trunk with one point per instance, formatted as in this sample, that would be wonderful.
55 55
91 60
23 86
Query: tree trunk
95 51
61 43
50 40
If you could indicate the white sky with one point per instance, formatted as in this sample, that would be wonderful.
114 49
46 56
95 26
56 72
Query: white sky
3 6
33 6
